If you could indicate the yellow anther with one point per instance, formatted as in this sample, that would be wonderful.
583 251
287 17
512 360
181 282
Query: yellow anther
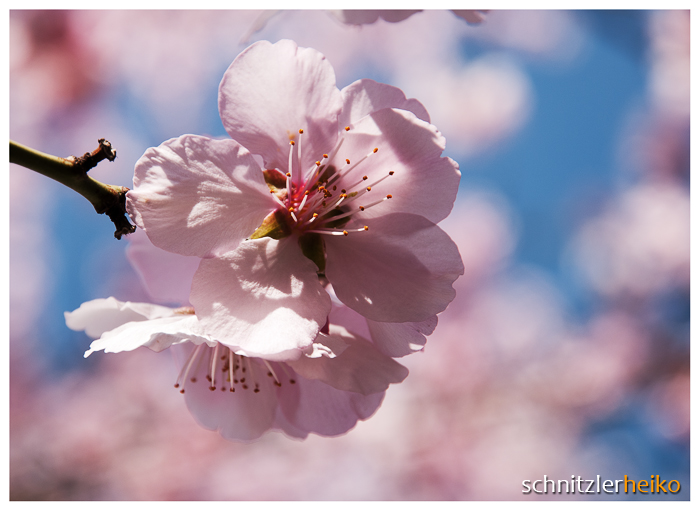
291 142
369 188
289 174
318 163
366 228
291 208
325 156
315 215
345 233
375 150
343 195
301 130
347 128
362 208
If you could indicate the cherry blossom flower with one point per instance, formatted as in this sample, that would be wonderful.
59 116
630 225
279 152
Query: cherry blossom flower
352 186
340 379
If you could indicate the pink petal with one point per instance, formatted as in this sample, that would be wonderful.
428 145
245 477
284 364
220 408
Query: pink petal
271 91
401 269
311 405
359 368
423 182
400 339
156 334
263 298
282 424
104 314
350 320
197 196
392 339
166 276
366 96
241 415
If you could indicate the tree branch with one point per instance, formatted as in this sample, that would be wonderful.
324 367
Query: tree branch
72 172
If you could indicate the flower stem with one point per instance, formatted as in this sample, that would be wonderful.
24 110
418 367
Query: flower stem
72 172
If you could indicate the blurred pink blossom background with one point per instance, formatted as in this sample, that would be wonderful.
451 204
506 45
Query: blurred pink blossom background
581 369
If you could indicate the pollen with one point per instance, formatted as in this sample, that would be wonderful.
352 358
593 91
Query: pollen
291 208
347 161
345 233
318 163
291 142
366 228
301 131
362 208
325 155
375 150
369 188
389 196
347 128
289 174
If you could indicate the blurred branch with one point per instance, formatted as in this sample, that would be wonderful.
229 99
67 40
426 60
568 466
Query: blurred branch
72 172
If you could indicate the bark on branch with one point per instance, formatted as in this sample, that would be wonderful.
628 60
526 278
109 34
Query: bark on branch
72 172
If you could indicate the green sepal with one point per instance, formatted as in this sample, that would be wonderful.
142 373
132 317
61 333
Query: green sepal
274 226
314 248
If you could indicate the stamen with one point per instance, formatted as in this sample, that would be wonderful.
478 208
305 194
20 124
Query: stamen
362 208
214 359
182 377
347 128
277 199
286 373
272 373
230 371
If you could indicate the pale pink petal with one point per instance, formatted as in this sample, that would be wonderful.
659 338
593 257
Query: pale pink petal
423 182
282 424
400 339
156 334
197 196
350 320
401 269
366 96
392 339
359 368
104 314
311 405
264 298
166 276
242 415
271 91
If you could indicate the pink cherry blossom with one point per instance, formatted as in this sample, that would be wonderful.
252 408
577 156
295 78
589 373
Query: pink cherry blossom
352 188
341 379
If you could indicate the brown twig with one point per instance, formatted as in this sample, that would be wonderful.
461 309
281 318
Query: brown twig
72 172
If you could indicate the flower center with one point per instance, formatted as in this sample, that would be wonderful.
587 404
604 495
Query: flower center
322 198
220 366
